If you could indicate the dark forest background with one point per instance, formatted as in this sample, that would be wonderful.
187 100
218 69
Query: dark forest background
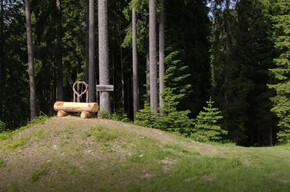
236 52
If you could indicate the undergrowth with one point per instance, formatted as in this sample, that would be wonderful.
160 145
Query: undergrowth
7 134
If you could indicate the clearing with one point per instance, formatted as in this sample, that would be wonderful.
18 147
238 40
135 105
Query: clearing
73 154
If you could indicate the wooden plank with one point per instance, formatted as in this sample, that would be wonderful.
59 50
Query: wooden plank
105 88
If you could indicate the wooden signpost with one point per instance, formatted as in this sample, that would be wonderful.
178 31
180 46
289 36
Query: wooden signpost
105 88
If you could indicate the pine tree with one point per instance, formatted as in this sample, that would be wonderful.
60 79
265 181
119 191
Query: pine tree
281 102
176 76
170 118
207 127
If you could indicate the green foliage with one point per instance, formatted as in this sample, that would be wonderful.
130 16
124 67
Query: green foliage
170 118
145 117
7 134
37 174
2 163
13 58
141 7
207 127
104 114
120 115
241 53
281 102
187 30
2 126
176 76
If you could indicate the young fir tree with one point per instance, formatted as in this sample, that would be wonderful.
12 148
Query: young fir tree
281 73
170 118
207 127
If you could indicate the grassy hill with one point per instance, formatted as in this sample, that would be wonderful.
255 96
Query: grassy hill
72 154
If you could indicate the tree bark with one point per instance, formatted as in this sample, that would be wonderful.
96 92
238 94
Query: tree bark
136 106
30 61
1 56
104 54
161 55
152 56
148 75
87 42
59 53
228 45
92 86
122 81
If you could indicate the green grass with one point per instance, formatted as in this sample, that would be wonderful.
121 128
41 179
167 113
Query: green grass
37 174
9 134
2 163
72 154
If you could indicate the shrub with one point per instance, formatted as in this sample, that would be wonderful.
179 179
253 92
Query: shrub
2 126
104 114
169 118
207 127
120 115
145 117
284 136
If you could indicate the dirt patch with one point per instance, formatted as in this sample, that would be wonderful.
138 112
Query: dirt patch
207 178
146 175
168 164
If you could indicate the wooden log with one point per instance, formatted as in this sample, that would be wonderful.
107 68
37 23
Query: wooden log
76 107
85 114
62 113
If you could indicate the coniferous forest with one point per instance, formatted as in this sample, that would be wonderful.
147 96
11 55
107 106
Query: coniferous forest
213 70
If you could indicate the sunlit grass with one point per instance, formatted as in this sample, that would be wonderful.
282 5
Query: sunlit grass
101 155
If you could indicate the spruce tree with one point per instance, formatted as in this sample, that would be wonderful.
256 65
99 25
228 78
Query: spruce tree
281 102
207 127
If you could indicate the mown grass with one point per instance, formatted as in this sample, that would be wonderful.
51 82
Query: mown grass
97 156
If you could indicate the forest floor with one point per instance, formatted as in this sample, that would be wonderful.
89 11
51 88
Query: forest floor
73 154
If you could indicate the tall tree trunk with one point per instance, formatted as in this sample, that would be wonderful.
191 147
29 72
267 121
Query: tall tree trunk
227 60
104 54
30 61
148 75
161 55
152 56
1 57
87 42
59 53
228 45
92 86
122 81
136 106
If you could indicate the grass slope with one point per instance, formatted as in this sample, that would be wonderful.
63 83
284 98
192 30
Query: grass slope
72 154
